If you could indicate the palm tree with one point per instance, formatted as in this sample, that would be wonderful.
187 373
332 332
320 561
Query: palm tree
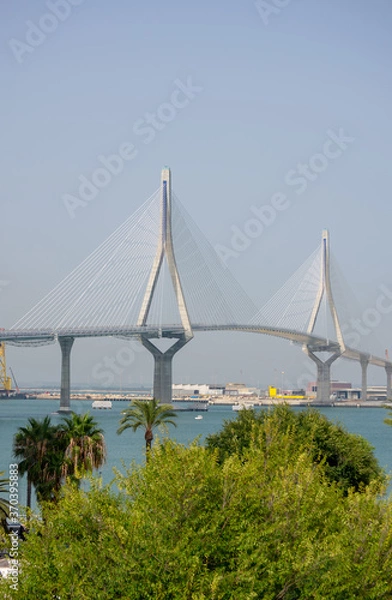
4 504
148 415
49 486
85 448
32 444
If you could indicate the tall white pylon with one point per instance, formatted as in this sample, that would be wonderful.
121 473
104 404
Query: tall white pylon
163 360
325 288
165 248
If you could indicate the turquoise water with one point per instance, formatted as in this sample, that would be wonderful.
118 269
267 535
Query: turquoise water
129 446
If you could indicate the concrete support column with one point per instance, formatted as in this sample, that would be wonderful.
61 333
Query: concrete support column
388 371
65 394
323 376
364 366
163 379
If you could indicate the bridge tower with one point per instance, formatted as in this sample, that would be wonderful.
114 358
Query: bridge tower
388 371
66 344
336 349
162 389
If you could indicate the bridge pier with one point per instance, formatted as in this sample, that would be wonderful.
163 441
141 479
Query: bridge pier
66 344
323 375
364 365
163 371
388 370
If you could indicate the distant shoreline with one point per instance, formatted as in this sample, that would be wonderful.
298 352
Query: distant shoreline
224 401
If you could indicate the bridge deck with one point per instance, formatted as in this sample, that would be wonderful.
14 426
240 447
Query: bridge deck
318 344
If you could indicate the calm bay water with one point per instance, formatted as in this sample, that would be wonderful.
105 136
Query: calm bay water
129 446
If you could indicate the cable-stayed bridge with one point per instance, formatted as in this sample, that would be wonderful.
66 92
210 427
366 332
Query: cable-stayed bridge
157 277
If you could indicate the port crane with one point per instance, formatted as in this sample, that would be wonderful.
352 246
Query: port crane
5 380
15 382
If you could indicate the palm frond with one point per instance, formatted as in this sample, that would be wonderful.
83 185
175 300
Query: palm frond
147 415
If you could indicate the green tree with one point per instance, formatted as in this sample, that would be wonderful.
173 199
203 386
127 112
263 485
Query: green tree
32 445
266 525
347 458
4 504
147 415
85 448
49 486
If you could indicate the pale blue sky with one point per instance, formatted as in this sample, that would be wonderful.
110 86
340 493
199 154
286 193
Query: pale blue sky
271 92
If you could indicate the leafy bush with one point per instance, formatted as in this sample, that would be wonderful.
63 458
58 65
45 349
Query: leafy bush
264 523
348 459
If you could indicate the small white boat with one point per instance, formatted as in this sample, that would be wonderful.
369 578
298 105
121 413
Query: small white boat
198 418
102 404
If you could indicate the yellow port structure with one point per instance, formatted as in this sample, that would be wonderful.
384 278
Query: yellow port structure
273 393
5 381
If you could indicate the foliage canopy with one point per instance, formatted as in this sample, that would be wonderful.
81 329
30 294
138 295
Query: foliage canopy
49 453
347 458
261 515
266 524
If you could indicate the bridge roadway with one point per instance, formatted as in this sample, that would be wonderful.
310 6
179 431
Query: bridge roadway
315 343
